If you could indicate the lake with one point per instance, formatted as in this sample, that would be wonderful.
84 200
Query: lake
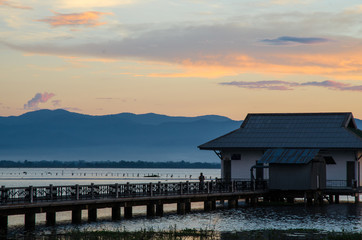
333 217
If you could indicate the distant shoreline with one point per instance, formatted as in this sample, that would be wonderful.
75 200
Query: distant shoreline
106 164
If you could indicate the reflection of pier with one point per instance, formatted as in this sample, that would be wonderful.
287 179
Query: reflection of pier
51 199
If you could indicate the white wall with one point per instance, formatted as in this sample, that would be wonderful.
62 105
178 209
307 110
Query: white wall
338 171
241 168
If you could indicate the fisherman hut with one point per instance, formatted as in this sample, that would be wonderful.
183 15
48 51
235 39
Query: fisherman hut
294 151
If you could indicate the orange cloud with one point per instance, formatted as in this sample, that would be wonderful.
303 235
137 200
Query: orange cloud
89 19
13 5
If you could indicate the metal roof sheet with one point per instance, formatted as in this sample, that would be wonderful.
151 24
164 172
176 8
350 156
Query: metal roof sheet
288 156
314 130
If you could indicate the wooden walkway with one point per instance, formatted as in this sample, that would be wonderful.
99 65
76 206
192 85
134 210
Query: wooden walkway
51 199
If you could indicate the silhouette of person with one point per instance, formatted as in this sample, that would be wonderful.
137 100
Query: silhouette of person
202 180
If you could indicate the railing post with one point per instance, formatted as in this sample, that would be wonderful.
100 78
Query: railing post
159 187
127 190
51 191
181 188
208 187
3 194
188 187
211 186
77 192
117 190
151 189
233 186
92 190
31 194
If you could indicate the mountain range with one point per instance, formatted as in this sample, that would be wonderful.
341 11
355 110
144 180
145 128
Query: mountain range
62 135
67 136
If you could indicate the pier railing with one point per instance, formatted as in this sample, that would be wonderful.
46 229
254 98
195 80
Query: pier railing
33 194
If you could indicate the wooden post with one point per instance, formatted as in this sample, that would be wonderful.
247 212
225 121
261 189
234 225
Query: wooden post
188 206
356 198
29 221
336 199
31 194
247 200
117 190
159 209
207 205
92 192
151 189
150 209
77 192
181 210
213 204
127 212
92 214
116 212
290 200
50 218
3 225
76 216
231 203
330 198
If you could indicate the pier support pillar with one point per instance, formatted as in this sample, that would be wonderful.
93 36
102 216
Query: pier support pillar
290 200
222 202
116 212
76 216
150 210
247 200
253 201
231 203
92 214
3 225
128 212
29 221
50 218
330 199
181 208
356 198
213 204
188 206
207 205
309 201
336 197
159 209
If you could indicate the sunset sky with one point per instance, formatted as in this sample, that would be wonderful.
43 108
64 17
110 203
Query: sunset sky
181 57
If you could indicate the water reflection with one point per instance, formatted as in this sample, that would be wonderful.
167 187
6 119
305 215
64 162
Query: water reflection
335 217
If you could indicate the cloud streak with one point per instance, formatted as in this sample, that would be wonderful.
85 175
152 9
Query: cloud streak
285 85
89 19
14 5
287 40
37 99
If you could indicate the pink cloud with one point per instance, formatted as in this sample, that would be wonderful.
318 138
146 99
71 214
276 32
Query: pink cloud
38 98
13 5
89 19
285 85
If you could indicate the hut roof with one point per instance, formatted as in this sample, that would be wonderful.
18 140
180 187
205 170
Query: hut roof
292 130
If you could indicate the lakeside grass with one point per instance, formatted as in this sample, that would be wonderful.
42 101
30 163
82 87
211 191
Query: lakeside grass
193 234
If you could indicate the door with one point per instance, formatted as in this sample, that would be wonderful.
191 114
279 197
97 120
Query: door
350 173
227 169
259 171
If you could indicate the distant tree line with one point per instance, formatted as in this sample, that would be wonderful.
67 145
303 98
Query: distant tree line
104 164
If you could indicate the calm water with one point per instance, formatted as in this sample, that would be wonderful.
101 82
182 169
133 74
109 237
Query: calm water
335 217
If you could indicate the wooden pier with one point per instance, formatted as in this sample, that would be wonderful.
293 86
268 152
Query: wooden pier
52 199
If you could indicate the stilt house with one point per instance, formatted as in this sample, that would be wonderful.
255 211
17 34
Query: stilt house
294 151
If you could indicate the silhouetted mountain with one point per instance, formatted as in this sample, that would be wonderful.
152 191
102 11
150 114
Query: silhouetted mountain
63 135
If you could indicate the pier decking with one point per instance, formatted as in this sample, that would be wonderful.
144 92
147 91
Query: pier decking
51 199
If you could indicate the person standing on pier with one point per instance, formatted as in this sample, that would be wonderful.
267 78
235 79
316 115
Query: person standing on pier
202 180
